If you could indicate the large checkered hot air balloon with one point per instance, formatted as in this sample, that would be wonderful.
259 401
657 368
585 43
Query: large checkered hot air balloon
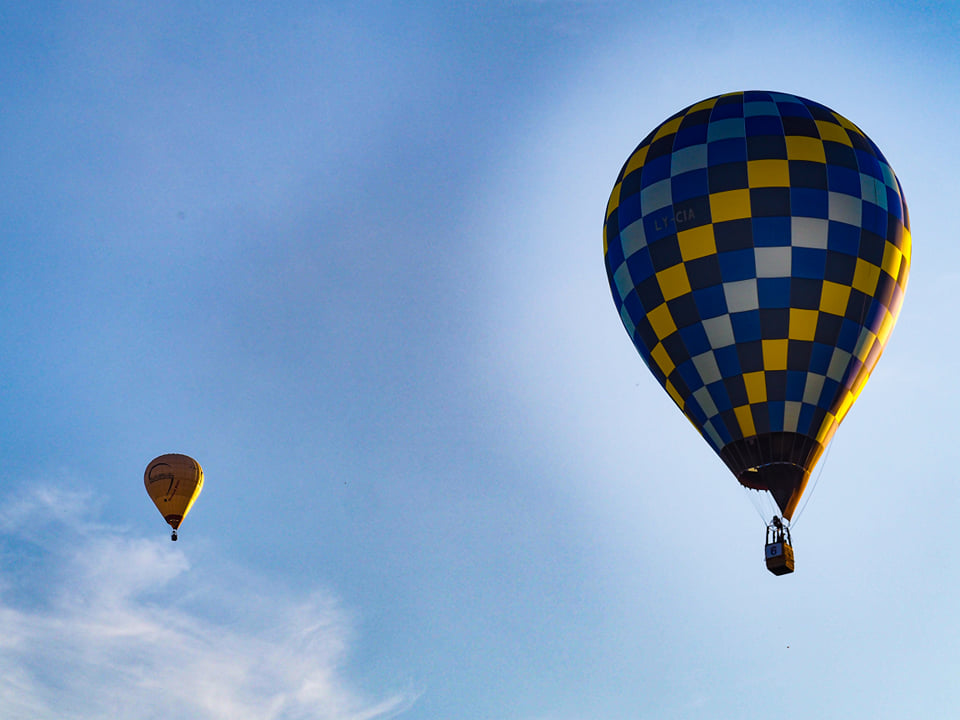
757 246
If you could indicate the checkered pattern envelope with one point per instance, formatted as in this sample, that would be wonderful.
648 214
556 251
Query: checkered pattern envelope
757 246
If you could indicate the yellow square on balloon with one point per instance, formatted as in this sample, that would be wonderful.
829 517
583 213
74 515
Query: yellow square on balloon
730 205
696 242
834 298
673 282
661 321
768 173
801 147
803 324
865 276
756 385
775 354
832 131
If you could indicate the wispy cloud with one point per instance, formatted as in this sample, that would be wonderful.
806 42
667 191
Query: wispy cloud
92 625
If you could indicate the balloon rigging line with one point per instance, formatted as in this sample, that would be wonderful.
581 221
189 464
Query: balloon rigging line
756 502
806 501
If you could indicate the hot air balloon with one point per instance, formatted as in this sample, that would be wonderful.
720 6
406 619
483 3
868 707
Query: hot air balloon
173 482
757 246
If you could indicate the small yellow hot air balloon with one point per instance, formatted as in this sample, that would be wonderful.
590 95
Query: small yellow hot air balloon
173 482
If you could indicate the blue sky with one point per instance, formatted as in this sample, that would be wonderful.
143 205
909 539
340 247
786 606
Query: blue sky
349 257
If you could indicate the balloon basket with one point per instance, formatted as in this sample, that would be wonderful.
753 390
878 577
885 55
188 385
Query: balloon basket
779 558
778 551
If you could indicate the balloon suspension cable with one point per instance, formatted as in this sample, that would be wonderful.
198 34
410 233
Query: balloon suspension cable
762 502
173 536
806 500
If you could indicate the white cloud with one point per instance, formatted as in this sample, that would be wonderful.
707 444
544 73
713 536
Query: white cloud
96 623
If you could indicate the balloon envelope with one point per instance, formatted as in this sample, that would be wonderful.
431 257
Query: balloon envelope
173 482
757 246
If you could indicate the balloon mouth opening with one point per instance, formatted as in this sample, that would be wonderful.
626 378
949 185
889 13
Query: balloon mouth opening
785 481
173 520
777 462
758 478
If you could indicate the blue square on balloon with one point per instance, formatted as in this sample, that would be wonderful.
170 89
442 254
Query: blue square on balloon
737 265
692 407
695 338
634 306
722 431
710 301
727 107
808 262
728 361
629 210
718 392
759 102
874 219
776 409
893 204
614 257
809 202
820 358
771 231
689 185
806 419
868 164
796 383
640 265
773 292
829 393
761 417
746 326
690 376
843 238
727 151
844 180
764 125
789 108
656 170
849 334
692 135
